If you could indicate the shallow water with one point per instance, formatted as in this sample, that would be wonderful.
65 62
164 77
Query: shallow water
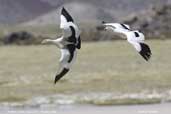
91 98
89 109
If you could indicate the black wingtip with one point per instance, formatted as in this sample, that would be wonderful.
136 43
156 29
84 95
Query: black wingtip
66 15
63 9
78 46
145 51
60 75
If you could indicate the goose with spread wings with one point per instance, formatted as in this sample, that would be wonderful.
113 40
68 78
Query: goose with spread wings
134 37
68 43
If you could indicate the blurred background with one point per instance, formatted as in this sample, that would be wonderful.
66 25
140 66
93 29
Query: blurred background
42 16
108 70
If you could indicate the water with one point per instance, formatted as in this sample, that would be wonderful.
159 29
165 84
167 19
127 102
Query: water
163 108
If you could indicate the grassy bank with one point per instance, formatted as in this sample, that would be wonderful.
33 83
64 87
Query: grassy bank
105 67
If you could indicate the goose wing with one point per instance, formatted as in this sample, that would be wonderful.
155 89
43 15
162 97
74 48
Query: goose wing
71 31
143 49
114 26
63 65
66 61
68 25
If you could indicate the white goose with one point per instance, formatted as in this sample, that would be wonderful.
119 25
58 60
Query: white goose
68 43
134 37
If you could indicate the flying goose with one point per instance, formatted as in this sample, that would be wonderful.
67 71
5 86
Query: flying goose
68 43
134 37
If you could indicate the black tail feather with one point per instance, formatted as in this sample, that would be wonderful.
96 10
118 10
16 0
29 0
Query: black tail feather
145 51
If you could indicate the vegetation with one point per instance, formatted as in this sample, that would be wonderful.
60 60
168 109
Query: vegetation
38 33
105 67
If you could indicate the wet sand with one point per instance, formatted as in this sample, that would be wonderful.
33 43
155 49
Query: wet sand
164 108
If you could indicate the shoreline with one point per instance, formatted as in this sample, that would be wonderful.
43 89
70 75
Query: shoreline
163 108
93 98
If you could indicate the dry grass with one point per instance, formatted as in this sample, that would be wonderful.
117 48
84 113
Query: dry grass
28 71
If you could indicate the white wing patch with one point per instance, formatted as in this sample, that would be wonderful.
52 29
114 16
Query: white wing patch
127 26
64 58
136 45
66 27
65 55
135 40
64 22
